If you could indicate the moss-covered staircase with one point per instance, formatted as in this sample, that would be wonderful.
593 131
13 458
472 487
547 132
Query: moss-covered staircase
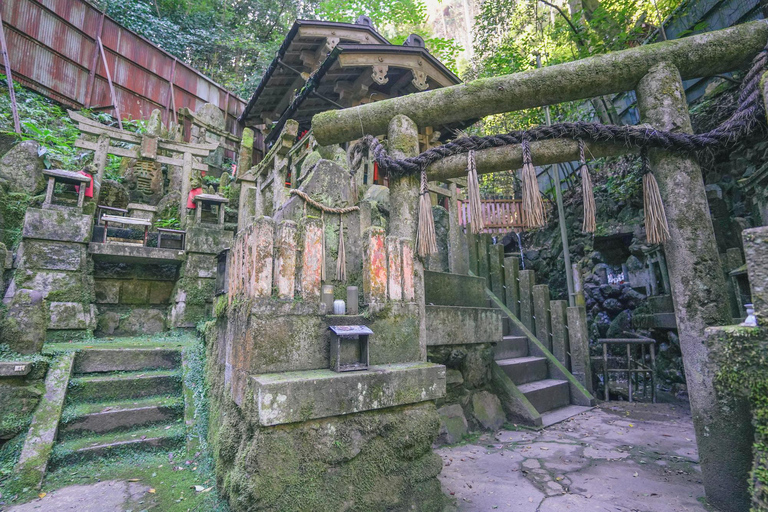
121 399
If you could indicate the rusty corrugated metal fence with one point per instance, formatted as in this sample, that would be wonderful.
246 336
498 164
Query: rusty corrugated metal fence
53 49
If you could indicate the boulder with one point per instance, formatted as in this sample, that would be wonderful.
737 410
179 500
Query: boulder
622 322
612 306
453 424
486 409
21 169
113 194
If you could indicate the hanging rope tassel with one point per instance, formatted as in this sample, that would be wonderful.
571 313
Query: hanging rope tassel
322 256
656 227
341 259
533 207
473 191
426 241
587 194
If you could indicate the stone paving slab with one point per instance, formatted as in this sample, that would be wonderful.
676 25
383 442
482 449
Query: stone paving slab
108 496
618 457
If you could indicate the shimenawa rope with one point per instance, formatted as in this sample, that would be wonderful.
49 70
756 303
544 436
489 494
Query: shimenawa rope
587 193
473 192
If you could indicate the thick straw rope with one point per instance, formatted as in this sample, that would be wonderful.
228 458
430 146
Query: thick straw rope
587 193
426 240
656 227
740 124
473 192
533 207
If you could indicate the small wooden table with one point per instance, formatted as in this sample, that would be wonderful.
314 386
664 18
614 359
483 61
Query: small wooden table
181 232
129 221
68 177
102 208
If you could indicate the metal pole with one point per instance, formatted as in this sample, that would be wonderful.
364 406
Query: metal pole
9 76
561 217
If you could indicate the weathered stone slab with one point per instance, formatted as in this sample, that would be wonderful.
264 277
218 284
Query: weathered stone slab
160 292
134 292
285 259
134 253
374 266
395 269
66 225
444 289
71 315
486 409
107 291
406 247
447 325
301 396
453 424
527 280
312 260
49 255
560 344
27 322
207 239
511 284
200 265
38 444
496 257
14 368
136 321
541 314
578 338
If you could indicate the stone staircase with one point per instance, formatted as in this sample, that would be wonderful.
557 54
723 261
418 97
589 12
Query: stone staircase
121 399
549 395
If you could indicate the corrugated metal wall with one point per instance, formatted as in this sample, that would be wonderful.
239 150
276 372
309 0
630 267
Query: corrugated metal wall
52 48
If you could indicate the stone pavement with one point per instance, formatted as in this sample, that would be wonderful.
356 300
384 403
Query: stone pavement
617 457
108 496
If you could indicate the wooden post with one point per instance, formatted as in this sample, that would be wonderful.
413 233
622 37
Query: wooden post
527 280
721 419
541 314
171 105
94 63
559 324
111 85
9 77
49 190
81 196
512 285
100 162
186 175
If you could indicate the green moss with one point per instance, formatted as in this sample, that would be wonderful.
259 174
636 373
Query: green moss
199 291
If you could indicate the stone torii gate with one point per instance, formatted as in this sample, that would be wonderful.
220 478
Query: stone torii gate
722 421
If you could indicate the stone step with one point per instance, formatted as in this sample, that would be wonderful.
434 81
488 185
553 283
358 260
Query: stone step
167 436
99 360
548 394
510 347
119 386
562 414
99 418
522 370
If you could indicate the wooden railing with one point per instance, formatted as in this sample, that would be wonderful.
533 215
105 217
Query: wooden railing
499 215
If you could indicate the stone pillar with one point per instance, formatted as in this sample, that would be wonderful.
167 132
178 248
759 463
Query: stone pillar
457 263
483 269
511 283
406 249
496 257
246 204
312 260
403 142
578 339
559 324
374 267
541 314
698 289
245 155
527 279
285 259
472 250
395 270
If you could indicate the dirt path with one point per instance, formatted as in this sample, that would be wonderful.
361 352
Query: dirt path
618 457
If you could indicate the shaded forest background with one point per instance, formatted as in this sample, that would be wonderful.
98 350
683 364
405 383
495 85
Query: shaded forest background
233 41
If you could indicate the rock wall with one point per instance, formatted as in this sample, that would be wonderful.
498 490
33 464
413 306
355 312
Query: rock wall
373 461
470 403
